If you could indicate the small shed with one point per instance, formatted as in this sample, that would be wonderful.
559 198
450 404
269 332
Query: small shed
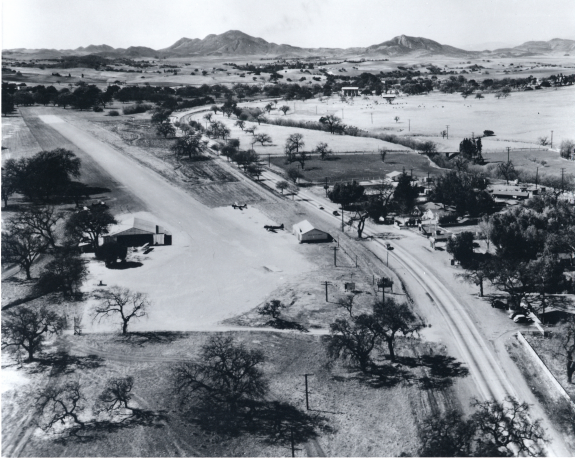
305 232
140 233
393 176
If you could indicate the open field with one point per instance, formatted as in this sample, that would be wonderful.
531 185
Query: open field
351 406
517 121
361 166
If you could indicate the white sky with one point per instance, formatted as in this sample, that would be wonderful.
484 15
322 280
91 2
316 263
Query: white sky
65 24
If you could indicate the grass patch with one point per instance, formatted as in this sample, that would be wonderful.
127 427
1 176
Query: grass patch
361 166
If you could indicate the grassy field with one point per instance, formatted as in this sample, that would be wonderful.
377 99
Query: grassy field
349 404
361 166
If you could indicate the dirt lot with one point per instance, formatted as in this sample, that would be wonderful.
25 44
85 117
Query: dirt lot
361 166
351 405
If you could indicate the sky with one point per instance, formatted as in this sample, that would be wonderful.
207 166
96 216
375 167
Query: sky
68 24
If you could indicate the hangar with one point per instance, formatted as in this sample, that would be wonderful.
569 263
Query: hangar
140 233
305 232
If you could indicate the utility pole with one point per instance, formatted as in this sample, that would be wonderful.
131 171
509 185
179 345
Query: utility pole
507 174
387 262
342 224
562 172
408 125
269 160
334 248
326 284
551 139
306 391
536 177
447 131
356 260
371 117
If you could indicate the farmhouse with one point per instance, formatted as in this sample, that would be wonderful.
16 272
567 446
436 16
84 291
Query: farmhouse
350 91
305 232
140 233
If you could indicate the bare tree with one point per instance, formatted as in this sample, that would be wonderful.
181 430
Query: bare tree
40 221
293 145
262 138
123 302
22 247
226 377
208 117
241 124
393 318
508 425
26 329
346 303
116 395
322 149
60 403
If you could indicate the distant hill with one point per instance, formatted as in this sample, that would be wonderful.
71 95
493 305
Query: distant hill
237 43
554 46
403 45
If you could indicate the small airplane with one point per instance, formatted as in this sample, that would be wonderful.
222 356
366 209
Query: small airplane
273 228
237 206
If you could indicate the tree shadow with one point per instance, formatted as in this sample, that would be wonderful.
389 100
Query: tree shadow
385 376
274 421
62 363
442 370
279 323
143 338
125 265
94 430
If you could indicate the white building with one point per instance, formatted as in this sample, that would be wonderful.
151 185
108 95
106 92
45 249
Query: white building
350 91
305 232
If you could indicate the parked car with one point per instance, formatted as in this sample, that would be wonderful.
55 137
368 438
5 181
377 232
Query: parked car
522 319
497 304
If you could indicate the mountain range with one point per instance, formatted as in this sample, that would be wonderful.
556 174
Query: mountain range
237 43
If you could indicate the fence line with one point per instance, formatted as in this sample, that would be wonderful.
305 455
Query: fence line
545 369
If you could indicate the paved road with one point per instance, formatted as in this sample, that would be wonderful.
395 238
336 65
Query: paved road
468 343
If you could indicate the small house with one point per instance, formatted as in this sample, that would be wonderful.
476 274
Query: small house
305 232
140 233
350 91
393 176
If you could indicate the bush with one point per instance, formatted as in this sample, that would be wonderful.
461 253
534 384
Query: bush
113 113
98 109
137 108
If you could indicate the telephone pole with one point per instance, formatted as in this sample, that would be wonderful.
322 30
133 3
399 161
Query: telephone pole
562 187
408 125
342 224
326 284
536 177
306 391
551 139
334 248
447 131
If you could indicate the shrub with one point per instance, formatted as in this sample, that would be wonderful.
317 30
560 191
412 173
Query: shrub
137 108
113 113
98 109
567 148
448 218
